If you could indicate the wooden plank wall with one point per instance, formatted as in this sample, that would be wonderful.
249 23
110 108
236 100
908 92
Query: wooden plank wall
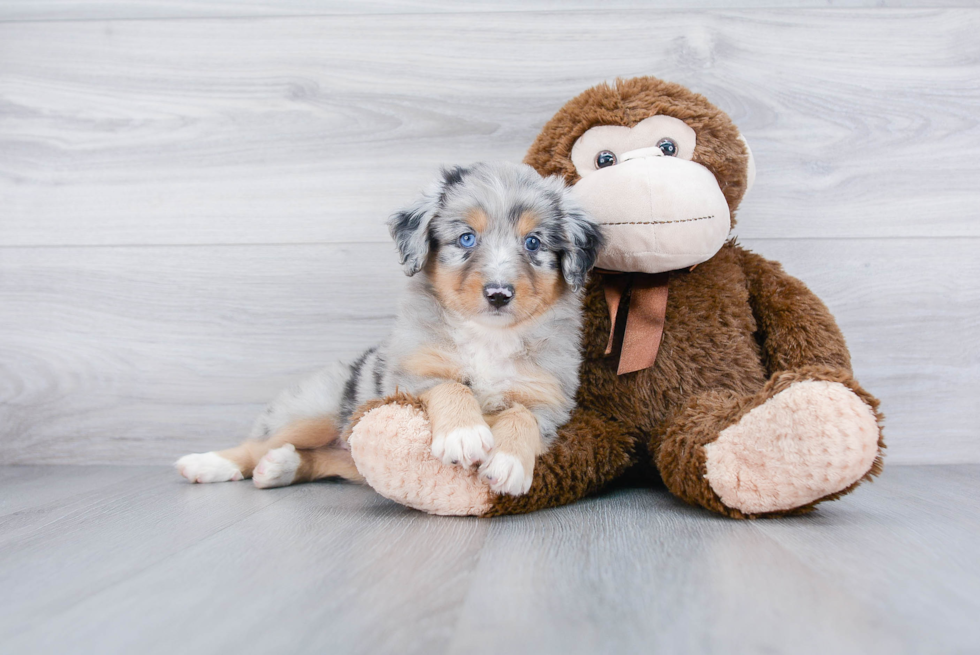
192 195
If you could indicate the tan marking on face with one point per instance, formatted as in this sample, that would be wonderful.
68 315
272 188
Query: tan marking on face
537 388
477 219
527 222
456 291
533 297
432 362
462 291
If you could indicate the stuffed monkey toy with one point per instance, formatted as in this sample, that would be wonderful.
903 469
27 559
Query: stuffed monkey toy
704 364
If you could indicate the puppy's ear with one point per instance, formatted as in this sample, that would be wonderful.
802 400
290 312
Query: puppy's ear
582 242
410 230
410 227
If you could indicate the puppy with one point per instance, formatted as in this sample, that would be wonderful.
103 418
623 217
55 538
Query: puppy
487 335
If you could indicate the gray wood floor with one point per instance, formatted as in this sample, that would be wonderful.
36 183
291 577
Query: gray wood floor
132 560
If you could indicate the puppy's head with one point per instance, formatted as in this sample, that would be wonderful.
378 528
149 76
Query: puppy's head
497 242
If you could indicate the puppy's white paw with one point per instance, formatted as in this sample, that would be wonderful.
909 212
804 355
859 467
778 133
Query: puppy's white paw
207 467
464 446
277 468
506 475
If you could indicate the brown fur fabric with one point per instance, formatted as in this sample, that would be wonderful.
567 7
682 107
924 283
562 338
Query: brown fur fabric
738 330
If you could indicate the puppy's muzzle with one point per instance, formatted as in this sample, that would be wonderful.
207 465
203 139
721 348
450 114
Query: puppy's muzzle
497 294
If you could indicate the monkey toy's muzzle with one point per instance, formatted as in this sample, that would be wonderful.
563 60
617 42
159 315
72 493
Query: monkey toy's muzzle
657 213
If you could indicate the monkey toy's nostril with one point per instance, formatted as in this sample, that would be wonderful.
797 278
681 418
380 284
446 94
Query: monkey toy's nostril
498 295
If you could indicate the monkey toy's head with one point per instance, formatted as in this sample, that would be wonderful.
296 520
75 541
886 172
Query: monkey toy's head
658 166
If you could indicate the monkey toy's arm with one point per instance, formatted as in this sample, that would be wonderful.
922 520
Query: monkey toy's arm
794 327
810 434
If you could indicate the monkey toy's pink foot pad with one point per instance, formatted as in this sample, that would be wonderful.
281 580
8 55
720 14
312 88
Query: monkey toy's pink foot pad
391 446
808 441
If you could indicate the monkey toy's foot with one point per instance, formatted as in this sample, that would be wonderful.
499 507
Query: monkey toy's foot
810 440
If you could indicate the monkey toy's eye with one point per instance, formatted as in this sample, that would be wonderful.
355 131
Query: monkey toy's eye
532 243
468 240
605 158
668 147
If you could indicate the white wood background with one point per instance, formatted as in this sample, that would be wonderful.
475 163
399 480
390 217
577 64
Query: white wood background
192 195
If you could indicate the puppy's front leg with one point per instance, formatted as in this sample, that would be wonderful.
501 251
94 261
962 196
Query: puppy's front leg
459 433
510 468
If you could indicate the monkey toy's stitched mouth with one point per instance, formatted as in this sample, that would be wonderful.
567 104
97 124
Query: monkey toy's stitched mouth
657 213
664 222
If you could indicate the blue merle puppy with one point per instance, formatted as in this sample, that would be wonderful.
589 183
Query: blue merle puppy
487 335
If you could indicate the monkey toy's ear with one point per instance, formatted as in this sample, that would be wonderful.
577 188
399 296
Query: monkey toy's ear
410 227
582 241
749 164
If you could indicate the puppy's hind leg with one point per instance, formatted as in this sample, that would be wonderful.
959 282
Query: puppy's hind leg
280 463
240 462
287 465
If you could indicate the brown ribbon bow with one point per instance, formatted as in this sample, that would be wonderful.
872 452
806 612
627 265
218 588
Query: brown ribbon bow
640 334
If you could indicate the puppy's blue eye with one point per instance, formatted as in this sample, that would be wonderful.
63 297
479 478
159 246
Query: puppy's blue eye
532 243
468 240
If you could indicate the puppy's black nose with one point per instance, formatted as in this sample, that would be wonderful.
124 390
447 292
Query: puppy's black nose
498 295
